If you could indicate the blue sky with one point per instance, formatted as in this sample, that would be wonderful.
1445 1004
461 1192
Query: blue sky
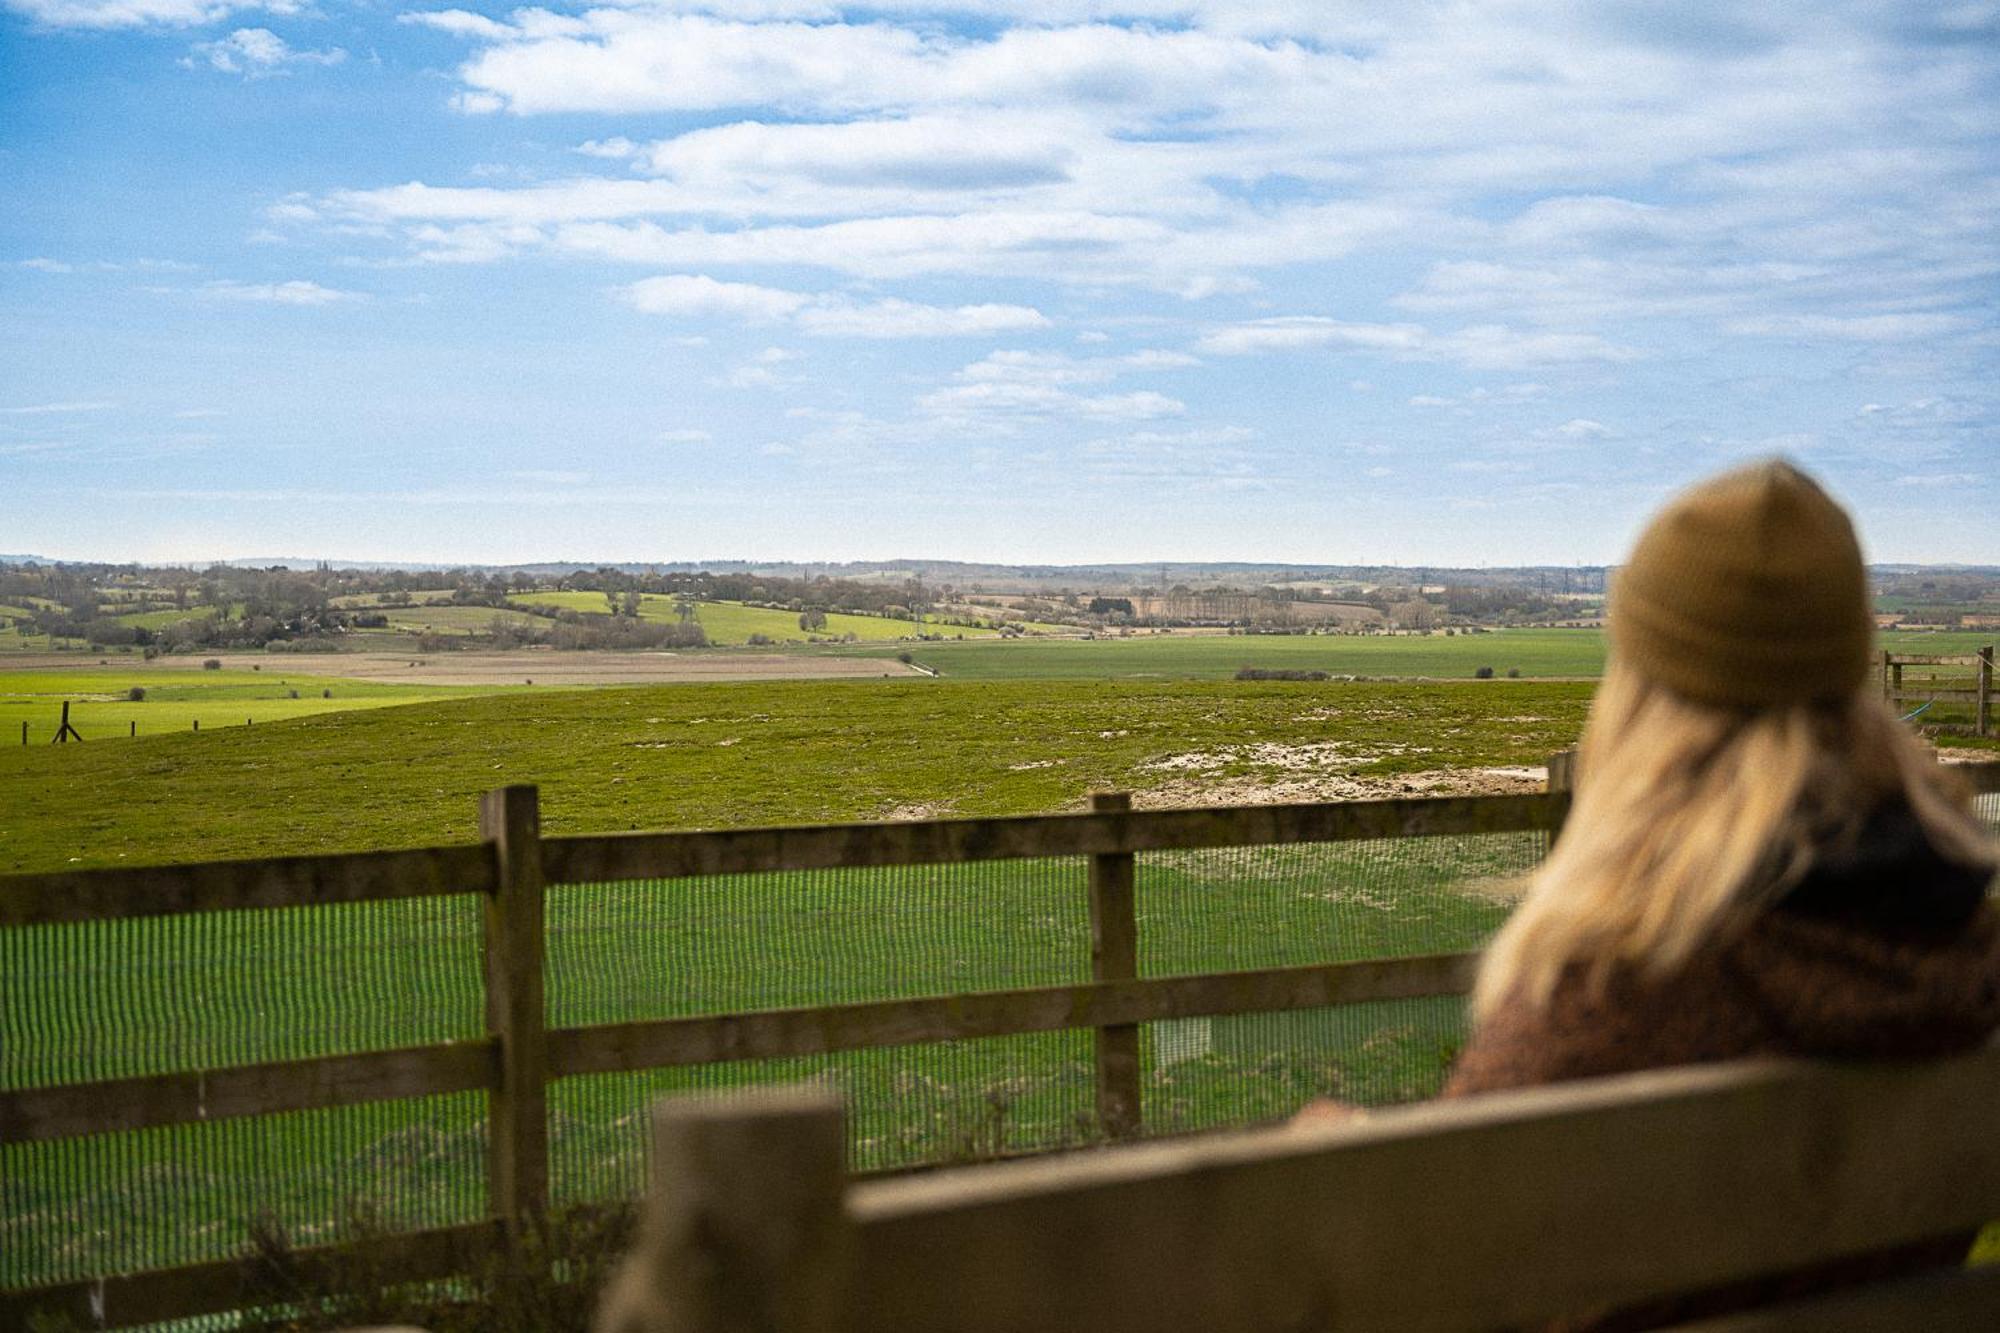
1036 281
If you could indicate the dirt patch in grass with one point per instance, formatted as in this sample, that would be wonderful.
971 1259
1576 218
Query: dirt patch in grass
1183 792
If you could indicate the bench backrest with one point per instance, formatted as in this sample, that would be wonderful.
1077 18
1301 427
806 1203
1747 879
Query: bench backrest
1488 1212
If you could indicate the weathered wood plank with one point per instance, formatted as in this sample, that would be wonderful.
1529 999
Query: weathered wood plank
72 1110
1494 1211
126 1299
811 1031
579 860
517 1109
1952 1299
1920 693
1932 659
743 1231
221 886
1114 956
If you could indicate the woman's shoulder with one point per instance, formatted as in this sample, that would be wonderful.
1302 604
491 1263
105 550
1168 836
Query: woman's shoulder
1786 983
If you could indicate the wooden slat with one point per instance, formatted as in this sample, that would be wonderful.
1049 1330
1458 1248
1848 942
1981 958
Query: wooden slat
580 860
843 1027
1491 1212
219 886
1931 1302
72 1110
1917 692
179 1293
1924 659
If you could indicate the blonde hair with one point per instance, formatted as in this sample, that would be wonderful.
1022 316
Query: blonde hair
1688 818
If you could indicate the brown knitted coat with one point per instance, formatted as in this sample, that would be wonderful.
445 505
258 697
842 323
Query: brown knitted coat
1882 951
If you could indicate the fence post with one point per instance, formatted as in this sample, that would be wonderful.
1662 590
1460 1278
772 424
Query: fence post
1114 956
744 1227
517 1157
1887 696
1983 719
1562 778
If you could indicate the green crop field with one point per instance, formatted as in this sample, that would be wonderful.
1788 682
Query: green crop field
452 619
162 619
100 708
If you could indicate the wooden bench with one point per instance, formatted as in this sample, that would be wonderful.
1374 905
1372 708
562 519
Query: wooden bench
1490 1212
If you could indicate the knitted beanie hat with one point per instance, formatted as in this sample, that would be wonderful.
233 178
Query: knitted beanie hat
1746 591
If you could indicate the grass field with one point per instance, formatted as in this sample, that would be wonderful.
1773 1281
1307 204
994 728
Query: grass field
1557 653
716 756
176 699
452 619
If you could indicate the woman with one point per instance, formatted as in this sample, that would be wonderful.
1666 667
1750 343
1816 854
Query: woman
1760 859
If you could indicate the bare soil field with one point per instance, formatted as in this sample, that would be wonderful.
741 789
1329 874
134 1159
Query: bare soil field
540 667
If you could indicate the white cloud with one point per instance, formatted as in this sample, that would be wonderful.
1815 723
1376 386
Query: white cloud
297 291
257 51
108 14
761 370
1583 428
615 149
906 319
1285 332
697 296
998 400
1480 347
547 477
825 315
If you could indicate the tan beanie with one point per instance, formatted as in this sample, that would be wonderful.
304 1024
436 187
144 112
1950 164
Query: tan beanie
1746 591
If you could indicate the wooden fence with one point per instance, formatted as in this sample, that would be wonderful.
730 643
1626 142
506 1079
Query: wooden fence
1975 689
520 1056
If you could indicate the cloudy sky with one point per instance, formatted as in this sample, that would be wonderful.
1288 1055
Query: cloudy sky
1028 281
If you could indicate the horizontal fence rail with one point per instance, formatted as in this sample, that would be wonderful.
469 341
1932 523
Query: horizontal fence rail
234 886
513 870
664 1043
585 860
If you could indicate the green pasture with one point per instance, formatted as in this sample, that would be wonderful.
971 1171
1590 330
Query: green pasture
100 709
162 619
1545 653
718 755
1148 656
452 619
